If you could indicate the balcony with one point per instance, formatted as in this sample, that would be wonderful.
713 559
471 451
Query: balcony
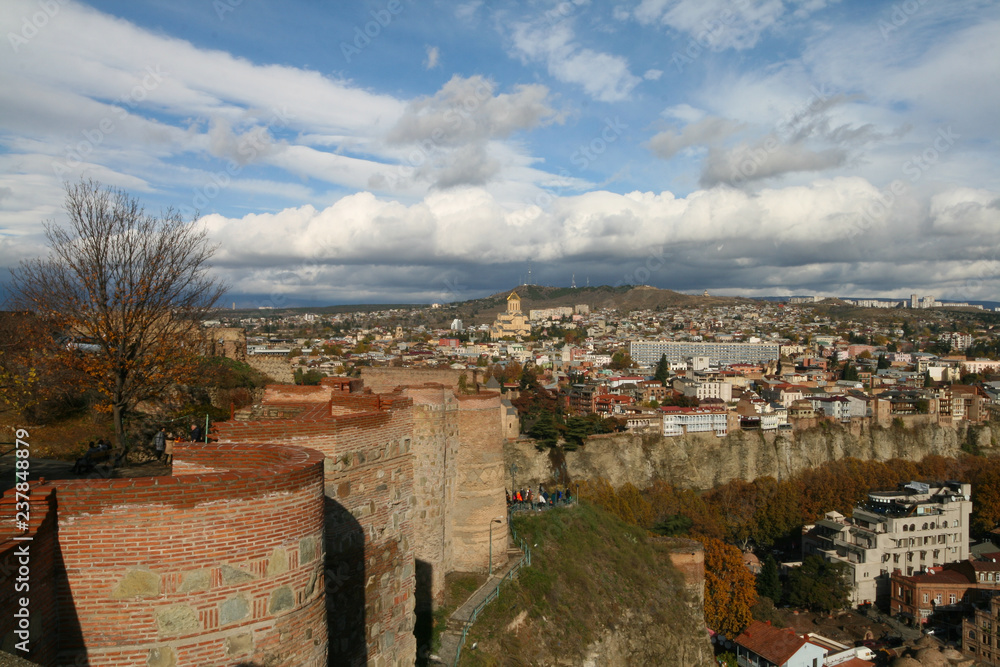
859 548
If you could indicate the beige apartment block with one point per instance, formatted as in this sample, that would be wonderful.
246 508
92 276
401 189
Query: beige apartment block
908 529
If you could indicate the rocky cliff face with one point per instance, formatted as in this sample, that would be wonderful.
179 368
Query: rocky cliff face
701 461
639 640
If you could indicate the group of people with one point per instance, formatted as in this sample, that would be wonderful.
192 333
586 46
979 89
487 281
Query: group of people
163 442
538 500
86 462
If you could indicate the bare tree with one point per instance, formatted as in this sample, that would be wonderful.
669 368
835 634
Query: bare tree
129 288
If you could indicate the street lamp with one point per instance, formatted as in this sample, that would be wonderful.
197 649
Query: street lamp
499 519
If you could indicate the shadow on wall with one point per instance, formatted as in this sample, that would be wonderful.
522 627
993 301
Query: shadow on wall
423 628
345 587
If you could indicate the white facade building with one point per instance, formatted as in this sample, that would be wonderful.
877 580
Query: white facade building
909 529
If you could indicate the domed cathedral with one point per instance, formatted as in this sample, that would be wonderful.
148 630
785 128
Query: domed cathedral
511 323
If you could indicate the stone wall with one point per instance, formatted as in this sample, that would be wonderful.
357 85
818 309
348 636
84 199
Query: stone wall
368 484
384 379
702 461
278 369
419 473
435 454
220 563
479 492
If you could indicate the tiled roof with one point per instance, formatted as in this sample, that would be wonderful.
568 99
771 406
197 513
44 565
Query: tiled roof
775 644
856 662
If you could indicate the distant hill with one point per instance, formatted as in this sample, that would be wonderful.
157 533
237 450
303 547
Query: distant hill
624 299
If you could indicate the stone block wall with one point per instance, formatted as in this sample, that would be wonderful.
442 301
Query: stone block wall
366 442
435 454
220 563
480 481
386 378
277 368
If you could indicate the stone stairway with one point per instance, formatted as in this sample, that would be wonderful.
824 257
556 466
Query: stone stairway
452 636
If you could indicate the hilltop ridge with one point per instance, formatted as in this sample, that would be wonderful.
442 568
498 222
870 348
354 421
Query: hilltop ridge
624 298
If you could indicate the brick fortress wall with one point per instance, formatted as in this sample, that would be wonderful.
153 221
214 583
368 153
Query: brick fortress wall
218 564
366 442
419 470
458 470
28 569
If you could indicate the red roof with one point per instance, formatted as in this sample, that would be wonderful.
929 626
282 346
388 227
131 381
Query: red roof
856 662
775 644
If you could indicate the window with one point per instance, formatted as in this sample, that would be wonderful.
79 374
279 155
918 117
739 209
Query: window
925 525
925 598
905 528
951 599
937 599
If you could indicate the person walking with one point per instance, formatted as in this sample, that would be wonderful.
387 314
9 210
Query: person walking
196 434
160 442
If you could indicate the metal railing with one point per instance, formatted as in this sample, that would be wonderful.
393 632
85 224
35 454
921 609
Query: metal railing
524 561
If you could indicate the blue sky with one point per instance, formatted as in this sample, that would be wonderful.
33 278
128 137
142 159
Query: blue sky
398 151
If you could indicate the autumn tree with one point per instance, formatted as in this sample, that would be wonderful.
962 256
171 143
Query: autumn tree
133 285
730 589
30 373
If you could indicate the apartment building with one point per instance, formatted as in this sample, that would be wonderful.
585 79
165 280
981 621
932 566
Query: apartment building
909 529
981 633
678 421
648 353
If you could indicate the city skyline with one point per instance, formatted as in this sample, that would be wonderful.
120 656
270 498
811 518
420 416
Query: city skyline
402 152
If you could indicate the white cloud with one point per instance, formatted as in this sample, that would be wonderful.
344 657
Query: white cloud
603 76
707 131
653 74
723 24
794 237
433 56
447 135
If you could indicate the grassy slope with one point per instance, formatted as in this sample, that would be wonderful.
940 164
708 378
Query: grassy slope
588 571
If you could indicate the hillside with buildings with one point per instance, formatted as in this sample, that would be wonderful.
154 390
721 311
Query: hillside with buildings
623 299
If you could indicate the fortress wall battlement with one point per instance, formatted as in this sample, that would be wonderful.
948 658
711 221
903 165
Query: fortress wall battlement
218 564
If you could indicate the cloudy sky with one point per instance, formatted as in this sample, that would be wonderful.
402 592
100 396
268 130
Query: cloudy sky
425 150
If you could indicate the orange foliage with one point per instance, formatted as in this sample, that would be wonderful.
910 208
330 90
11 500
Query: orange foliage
730 589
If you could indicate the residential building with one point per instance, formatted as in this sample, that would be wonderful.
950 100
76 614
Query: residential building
835 407
952 587
679 421
719 354
763 645
909 529
981 633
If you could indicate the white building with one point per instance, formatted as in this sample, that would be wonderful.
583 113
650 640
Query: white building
909 529
678 421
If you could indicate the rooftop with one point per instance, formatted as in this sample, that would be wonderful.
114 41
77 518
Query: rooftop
771 643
